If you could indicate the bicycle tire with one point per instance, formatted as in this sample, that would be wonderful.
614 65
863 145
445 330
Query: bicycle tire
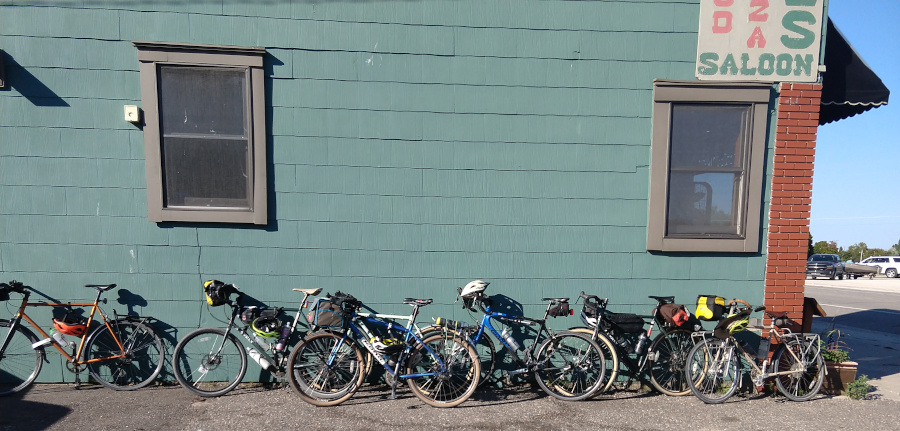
143 360
20 363
666 368
807 375
571 366
713 370
209 362
317 382
484 348
610 355
458 381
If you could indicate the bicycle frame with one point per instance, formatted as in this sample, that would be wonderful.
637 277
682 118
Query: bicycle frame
280 358
528 352
359 326
76 355
766 370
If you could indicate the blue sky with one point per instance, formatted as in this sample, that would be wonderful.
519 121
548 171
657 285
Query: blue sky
856 182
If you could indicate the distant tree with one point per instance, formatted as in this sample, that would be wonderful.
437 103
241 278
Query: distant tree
809 247
895 249
825 247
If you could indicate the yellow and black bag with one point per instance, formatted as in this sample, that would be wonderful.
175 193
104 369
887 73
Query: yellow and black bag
710 307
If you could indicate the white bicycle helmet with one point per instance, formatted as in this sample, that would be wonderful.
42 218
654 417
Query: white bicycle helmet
473 288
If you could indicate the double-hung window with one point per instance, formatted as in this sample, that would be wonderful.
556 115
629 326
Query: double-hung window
204 133
708 147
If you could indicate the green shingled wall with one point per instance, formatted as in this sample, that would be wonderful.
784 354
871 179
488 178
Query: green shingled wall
415 145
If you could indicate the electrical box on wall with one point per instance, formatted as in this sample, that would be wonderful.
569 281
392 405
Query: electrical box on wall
132 114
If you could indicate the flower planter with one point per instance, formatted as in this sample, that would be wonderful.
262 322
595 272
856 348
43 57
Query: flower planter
838 375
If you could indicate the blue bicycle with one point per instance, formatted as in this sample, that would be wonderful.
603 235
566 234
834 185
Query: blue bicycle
327 367
567 366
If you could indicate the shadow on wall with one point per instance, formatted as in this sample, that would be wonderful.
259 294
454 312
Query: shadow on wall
28 85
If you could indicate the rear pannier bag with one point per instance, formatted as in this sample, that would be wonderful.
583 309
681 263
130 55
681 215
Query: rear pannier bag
626 323
326 314
674 314
710 307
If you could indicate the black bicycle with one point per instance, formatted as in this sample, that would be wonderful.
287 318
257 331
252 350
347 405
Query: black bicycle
659 362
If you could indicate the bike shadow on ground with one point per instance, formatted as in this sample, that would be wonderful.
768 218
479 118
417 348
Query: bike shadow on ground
18 414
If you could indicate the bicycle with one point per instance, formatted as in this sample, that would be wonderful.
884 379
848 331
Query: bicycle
123 353
211 362
328 366
568 366
713 368
663 360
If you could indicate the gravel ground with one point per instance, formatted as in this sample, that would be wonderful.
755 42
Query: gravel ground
60 407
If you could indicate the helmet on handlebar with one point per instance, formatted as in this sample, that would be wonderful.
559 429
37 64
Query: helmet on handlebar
473 288
217 292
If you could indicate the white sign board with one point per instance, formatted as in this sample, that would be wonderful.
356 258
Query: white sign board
759 40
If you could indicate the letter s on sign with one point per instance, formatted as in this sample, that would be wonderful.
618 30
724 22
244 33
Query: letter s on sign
807 37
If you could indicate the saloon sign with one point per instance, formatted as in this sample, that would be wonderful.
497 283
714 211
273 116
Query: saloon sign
759 40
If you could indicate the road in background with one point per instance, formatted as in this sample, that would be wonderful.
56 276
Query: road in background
867 313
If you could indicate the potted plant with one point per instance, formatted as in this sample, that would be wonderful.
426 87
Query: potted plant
839 369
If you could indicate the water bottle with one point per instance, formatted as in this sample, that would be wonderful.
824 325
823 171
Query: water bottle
60 339
642 342
260 359
509 339
282 340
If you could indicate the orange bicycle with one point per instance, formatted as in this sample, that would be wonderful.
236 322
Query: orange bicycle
123 353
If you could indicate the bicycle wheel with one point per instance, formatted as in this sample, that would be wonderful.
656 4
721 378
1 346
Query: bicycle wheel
668 354
20 363
571 367
326 369
807 370
141 355
452 369
713 370
611 357
484 348
209 362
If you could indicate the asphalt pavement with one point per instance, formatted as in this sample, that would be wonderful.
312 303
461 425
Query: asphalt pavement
523 407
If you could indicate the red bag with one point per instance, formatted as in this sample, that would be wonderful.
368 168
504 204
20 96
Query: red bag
675 314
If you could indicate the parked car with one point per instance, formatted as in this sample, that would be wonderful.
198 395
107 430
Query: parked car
887 265
825 265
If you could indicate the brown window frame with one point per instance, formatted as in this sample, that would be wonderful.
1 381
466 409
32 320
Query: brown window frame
666 94
152 55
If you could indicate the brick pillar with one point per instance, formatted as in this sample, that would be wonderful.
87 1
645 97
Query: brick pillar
795 150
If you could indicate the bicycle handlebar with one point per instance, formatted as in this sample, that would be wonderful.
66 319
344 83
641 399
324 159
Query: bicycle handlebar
15 286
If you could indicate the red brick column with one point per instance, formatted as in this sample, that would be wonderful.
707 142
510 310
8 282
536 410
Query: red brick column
795 150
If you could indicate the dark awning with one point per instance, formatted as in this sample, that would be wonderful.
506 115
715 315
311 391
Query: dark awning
849 86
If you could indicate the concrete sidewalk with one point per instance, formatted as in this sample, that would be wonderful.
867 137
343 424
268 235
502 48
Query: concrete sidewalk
877 352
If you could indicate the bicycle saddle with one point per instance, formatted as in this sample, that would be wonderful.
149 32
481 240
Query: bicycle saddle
663 299
101 287
555 299
312 292
419 302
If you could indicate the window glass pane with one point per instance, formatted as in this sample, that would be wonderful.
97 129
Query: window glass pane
202 100
706 170
702 203
708 135
206 172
